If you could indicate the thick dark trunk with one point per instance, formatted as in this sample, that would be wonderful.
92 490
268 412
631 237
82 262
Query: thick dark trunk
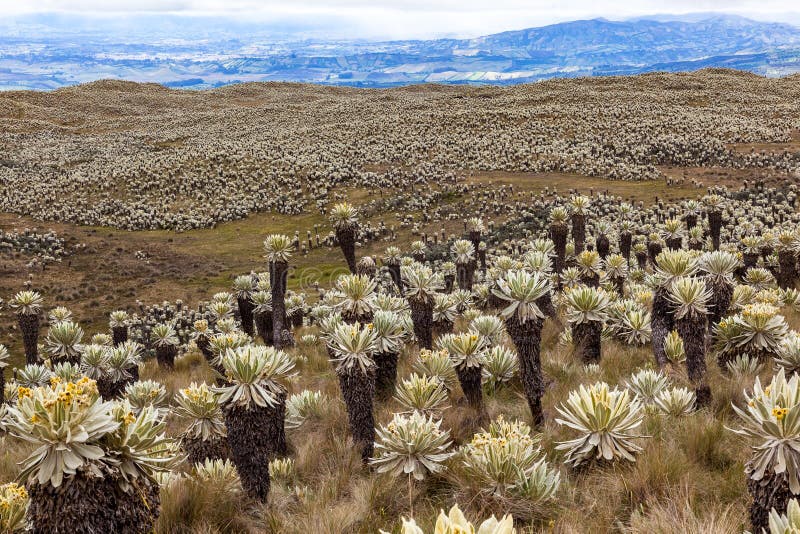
661 324
692 332
691 221
110 389
558 233
465 273
579 232
591 279
641 260
198 450
625 244
619 285
358 391
250 447
263 323
278 289
545 304
119 334
385 374
715 226
493 301
394 272
448 282
750 260
297 319
422 317
204 345
720 302
475 239
275 429
470 379
83 503
29 326
246 314
527 338
2 385
788 268
770 492
653 250
74 358
363 318
603 246
347 242
165 355
586 339
674 243
442 327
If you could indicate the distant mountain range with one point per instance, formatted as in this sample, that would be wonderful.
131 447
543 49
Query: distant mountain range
48 52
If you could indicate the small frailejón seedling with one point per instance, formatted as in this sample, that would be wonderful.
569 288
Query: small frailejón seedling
505 465
413 445
455 522
607 421
675 401
205 436
423 394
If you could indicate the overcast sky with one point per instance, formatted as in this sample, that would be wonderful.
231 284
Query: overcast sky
418 18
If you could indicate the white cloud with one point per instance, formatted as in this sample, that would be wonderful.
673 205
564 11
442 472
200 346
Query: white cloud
417 18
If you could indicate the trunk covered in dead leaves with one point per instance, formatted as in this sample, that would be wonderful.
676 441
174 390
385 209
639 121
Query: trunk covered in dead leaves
93 505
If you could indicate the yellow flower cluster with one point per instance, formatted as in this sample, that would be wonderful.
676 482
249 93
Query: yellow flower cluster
502 434
196 393
779 413
643 297
759 311
771 297
129 418
427 354
83 392
12 494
